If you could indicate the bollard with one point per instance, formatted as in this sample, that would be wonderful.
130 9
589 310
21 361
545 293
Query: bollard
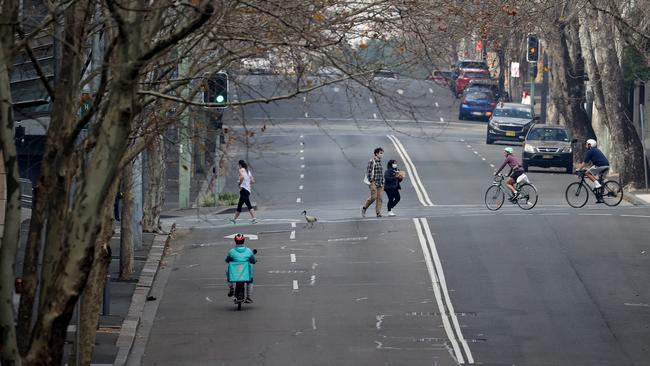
106 300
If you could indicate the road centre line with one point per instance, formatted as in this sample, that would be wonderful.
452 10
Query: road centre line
295 285
292 236
437 292
423 197
293 257
643 216
298 200
443 283
293 224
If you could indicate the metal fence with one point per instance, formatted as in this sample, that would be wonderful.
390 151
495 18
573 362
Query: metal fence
26 192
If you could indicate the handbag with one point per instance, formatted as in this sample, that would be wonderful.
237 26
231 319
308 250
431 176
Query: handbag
365 176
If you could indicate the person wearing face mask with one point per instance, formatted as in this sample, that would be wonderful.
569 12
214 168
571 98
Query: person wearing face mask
375 175
392 178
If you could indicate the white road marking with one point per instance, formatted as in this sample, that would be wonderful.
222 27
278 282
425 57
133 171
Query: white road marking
208 299
491 165
293 258
400 91
370 100
639 304
312 280
306 114
304 99
357 238
374 115
302 151
431 91
595 214
361 299
440 289
292 236
423 197
295 285
313 266
442 119
298 200
437 104
293 224
643 216
302 176
470 146
380 319
313 323
301 136
302 158
302 166
192 265
248 236
482 158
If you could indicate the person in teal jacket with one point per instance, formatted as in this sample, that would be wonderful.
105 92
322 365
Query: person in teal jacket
240 261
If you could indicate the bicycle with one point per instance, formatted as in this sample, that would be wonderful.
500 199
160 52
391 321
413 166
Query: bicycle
495 194
577 193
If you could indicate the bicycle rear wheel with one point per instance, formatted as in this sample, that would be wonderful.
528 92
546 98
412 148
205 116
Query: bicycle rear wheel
612 193
577 194
494 198
527 196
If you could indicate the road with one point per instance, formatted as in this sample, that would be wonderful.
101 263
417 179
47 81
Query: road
445 282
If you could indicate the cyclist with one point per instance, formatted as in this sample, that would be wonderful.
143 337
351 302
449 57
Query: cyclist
516 170
599 165
238 256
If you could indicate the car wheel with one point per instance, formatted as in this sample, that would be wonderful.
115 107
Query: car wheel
488 140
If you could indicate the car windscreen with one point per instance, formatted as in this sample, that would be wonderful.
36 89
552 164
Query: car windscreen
513 112
476 75
473 65
479 95
548 134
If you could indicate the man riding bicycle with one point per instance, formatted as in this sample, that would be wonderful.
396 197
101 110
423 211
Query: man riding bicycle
516 170
599 165
238 256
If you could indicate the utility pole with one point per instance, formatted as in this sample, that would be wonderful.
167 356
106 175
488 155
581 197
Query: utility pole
532 56
185 142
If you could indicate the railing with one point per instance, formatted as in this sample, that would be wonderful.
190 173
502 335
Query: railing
26 192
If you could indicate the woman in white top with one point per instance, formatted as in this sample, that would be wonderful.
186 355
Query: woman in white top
245 181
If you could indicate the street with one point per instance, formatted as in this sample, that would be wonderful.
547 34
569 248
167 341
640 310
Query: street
445 282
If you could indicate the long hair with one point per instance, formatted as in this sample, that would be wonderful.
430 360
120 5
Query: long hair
243 164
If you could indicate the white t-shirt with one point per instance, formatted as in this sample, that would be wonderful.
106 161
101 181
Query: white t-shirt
248 179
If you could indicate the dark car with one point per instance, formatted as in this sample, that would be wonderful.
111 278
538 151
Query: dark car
510 122
477 104
387 74
492 85
548 146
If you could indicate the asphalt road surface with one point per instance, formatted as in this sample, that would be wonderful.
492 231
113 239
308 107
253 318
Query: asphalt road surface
445 282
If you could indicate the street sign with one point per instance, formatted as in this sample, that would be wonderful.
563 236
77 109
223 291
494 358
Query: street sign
514 69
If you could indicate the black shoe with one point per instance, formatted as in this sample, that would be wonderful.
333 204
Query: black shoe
248 300
379 215
231 291
600 201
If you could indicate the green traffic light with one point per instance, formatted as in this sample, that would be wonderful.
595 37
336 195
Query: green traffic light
219 99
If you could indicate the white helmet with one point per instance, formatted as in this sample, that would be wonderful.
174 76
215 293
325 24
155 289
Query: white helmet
592 142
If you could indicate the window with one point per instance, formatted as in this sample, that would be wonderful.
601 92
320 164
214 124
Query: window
548 134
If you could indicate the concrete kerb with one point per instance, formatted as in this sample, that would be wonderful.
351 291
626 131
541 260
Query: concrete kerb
147 275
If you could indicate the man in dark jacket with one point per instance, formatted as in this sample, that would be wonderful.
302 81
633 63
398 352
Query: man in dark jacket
392 178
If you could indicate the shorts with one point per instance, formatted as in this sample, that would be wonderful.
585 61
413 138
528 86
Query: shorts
516 173
599 170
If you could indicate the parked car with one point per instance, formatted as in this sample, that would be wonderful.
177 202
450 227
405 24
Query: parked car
490 84
387 74
469 74
477 104
469 64
510 122
441 77
548 146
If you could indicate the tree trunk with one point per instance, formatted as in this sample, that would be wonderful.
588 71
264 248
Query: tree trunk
568 83
154 185
126 234
9 354
92 298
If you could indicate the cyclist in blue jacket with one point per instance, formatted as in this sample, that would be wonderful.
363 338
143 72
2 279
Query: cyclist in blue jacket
238 256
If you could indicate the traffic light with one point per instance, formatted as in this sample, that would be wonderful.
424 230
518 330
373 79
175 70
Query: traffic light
217 89
532 55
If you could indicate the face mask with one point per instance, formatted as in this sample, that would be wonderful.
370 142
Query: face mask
394 166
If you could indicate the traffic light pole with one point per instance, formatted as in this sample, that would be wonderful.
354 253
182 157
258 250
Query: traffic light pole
185 143
533 74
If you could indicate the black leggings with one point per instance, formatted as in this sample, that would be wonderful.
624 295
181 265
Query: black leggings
393 198
244 197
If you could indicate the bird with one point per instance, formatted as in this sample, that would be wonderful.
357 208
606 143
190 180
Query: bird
310 220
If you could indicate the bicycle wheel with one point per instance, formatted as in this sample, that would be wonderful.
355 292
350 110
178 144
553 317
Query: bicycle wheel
577 194
612 193
527 196
494 198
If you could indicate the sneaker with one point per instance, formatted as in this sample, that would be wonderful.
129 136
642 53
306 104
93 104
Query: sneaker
597 184
231 292
600 200
363 212
379 215
248 300
391 213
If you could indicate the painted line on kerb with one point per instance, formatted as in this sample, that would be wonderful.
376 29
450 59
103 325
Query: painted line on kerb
423 197
443 285
436 290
